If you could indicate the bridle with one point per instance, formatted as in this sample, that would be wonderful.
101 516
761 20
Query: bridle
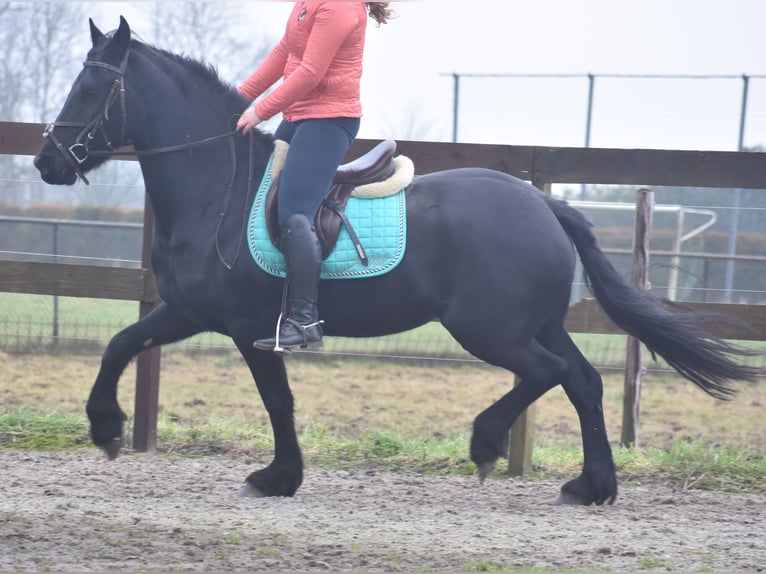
80 151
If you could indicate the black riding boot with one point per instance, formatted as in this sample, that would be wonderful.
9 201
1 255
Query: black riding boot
303 258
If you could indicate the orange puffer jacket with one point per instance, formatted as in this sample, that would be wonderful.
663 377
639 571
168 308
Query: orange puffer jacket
320 59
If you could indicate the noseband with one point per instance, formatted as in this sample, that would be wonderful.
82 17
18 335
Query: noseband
79 151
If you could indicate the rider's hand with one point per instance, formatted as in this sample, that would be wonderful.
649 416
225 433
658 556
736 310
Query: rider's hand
247 121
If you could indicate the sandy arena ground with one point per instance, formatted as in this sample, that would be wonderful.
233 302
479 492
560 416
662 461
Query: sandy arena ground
78 512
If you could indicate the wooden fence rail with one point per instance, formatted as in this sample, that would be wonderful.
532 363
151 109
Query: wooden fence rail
71 280
540 165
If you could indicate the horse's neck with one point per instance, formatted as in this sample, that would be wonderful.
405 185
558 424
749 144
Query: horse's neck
186 188
177 103
192 193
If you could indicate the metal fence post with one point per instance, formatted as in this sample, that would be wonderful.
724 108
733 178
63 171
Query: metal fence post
55 326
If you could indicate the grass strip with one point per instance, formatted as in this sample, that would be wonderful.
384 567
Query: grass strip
689 464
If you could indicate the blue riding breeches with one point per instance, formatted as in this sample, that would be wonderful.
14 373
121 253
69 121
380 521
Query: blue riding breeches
317 147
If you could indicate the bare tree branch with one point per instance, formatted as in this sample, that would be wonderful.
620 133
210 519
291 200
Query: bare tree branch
204 31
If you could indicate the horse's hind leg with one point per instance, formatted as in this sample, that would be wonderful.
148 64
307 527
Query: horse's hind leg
285 473
550 359
159 327
539 371
584 387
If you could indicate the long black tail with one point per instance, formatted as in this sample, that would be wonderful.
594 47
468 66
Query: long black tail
704 359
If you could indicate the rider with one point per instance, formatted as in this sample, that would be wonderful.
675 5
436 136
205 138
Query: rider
320 60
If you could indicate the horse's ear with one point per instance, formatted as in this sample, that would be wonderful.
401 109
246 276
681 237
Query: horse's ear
95 33
122 35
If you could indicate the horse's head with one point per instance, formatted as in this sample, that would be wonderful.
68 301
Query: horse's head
93 119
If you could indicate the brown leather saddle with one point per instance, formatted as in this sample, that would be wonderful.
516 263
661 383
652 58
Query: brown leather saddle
374 166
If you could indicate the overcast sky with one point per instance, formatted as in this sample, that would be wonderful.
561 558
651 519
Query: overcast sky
408 88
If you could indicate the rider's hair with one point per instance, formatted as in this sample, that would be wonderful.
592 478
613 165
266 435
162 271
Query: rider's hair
379 11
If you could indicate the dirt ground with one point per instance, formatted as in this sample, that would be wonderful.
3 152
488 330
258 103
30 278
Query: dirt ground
78 512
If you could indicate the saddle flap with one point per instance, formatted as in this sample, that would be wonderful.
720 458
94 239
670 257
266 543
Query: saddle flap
375 166
328 219
327 222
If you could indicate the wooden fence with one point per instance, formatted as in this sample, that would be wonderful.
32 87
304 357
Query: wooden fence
540 165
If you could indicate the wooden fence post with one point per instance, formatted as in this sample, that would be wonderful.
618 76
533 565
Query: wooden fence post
522 440
147 362
634 358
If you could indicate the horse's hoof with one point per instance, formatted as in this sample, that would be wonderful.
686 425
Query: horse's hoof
485 469
112 449
565 499
249 491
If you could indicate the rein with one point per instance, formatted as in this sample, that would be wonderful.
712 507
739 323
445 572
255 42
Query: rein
167 149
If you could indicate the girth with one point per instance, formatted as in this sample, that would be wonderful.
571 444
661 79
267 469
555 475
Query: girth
374 166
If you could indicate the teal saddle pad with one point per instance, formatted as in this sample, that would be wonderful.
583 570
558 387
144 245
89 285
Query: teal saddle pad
380 224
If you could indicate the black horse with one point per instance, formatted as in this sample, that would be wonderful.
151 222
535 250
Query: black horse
487 254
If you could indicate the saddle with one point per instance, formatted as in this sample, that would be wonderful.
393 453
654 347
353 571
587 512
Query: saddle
376 165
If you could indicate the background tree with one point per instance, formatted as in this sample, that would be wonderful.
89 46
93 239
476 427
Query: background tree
42 46
206 31
36 66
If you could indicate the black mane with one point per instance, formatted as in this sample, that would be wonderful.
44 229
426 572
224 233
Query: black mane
200 71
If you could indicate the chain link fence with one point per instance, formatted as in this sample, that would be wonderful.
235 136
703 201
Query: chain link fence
706 112
79 325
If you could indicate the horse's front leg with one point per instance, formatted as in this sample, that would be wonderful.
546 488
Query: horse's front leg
285 473
163 325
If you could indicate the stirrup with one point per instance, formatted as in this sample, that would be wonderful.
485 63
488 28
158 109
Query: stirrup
302 329
266 345
279 350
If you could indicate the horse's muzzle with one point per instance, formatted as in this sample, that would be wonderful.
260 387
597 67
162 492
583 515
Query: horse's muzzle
54 171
